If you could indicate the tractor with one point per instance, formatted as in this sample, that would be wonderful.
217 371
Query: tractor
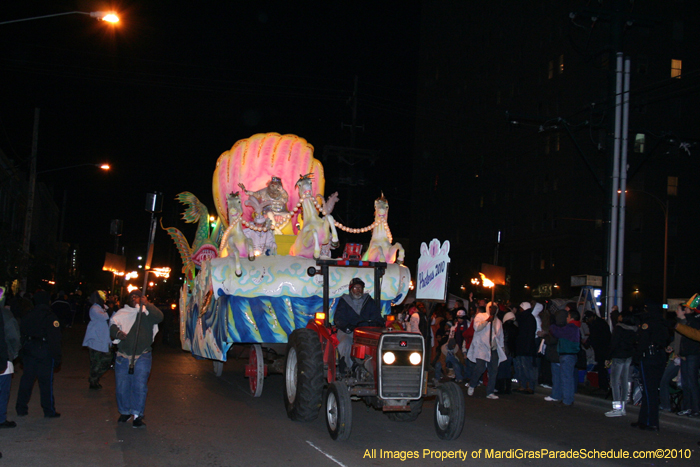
388 373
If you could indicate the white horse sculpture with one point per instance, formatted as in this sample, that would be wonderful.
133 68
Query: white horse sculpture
234 239
380 247
316 231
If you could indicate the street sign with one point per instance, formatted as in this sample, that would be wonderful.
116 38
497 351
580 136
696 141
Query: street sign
432 271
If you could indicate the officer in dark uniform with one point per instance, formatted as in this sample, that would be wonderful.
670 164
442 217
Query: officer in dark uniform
41 353
652 340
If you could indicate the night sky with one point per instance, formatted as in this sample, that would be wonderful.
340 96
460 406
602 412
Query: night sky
176 83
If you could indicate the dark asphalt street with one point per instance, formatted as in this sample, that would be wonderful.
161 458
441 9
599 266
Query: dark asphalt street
195 418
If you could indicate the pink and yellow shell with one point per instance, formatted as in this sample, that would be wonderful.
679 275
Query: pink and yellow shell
254 161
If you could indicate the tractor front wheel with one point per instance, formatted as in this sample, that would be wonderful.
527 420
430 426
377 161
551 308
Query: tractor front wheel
338 411
449 411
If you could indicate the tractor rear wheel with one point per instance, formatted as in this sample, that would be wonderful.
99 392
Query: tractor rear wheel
303 376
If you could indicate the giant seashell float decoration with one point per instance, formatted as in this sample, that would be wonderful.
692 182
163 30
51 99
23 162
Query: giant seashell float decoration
254 161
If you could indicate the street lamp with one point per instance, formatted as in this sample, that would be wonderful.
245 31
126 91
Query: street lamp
107 16
104 167
664 208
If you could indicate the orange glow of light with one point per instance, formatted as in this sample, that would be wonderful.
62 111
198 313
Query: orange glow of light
107 16
161 272
486 282
105 167
131 288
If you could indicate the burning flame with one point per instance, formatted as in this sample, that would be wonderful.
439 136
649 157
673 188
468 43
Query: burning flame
486 282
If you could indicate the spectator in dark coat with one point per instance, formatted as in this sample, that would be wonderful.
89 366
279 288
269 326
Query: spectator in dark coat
600 339
41 353
552 355
526 350
62 309
510 334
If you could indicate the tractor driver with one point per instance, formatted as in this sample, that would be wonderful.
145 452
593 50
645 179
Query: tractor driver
354 309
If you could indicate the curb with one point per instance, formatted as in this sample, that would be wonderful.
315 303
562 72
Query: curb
666 419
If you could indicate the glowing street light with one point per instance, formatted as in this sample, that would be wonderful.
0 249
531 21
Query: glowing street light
106 16
103 166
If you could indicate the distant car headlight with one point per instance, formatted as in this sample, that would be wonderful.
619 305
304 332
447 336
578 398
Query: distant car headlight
415 358
389 358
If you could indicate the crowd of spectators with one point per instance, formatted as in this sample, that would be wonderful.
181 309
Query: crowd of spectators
513 348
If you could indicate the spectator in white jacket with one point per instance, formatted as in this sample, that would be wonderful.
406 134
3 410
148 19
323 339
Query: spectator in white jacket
486 349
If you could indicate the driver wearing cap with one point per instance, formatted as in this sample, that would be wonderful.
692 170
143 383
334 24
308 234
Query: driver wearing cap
354 308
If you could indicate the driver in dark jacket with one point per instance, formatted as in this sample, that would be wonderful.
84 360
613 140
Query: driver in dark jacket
354 309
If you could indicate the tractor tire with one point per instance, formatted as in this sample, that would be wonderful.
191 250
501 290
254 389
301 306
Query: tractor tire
338 411
449 411
303 376
416 408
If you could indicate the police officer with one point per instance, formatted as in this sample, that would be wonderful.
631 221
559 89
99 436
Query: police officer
652 340
41 353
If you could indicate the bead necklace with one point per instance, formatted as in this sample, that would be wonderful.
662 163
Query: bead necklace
374 224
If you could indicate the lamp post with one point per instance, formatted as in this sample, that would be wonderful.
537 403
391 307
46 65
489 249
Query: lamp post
664 208
107 16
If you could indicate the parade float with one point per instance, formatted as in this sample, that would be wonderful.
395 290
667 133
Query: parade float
248 279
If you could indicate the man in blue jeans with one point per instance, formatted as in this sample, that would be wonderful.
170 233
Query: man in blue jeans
450 356
568 346
134 343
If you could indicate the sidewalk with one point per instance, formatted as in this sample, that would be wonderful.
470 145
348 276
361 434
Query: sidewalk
594 400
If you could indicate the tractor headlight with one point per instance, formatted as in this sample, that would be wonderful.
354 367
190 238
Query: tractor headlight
389 358
415 358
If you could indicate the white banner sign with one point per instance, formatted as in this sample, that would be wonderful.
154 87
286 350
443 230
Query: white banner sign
432 271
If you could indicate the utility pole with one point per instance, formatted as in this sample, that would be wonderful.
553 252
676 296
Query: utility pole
351 160
619 19
30 202
353 105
